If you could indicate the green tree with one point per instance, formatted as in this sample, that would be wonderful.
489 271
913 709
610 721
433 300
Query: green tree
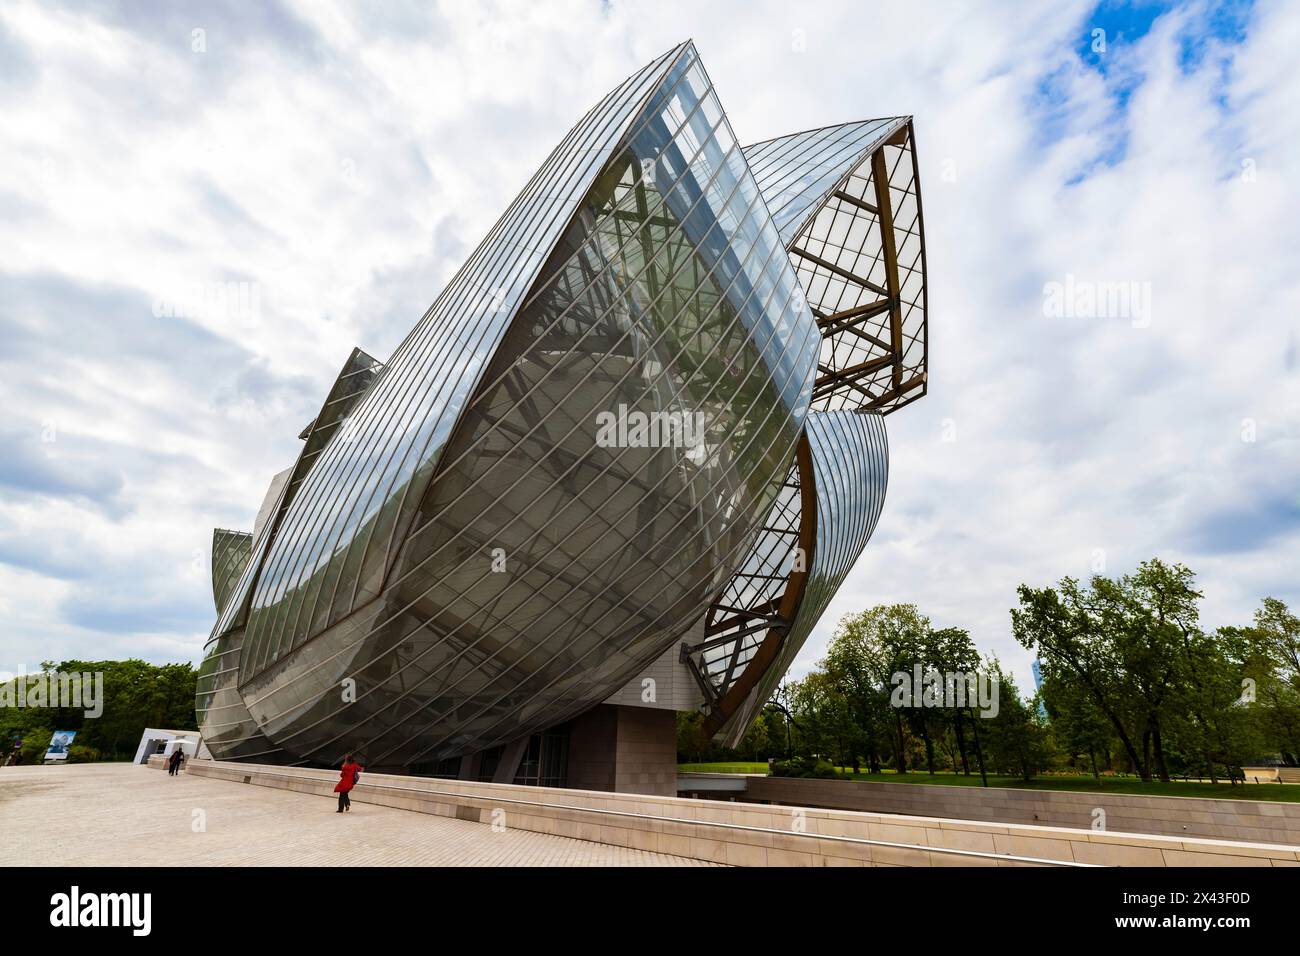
1121 639
825 718
1078 723
1269 652
693 745
136 695
951 650
1015 738
756 740
867 649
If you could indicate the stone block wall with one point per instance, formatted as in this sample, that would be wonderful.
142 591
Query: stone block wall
1251 820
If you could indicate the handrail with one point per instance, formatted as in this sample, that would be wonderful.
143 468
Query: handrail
708 823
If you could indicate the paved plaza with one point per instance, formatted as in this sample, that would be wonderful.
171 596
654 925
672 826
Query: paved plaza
123 815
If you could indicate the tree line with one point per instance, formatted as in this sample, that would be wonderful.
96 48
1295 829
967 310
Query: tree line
1130 683
136 695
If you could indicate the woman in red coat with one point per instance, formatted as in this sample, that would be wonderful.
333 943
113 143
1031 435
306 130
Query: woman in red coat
349 773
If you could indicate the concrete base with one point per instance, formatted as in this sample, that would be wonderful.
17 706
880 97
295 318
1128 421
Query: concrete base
624 750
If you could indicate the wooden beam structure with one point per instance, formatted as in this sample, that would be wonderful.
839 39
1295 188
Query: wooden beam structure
880 177
842 273
870 357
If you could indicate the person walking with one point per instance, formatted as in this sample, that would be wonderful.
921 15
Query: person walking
349 774
174 762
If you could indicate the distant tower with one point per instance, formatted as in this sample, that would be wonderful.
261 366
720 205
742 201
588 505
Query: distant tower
1038 686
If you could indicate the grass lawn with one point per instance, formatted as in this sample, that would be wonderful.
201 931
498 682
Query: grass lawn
1276 792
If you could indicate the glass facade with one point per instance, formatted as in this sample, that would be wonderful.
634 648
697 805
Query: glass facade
545 760
230 553
337 537
562 467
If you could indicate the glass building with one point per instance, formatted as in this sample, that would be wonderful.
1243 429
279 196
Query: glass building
640 432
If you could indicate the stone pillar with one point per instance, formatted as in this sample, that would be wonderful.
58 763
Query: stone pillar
469 765
593 744
624 749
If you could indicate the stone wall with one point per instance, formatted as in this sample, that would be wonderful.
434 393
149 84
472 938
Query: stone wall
624 749
646 758
754 835
593 737
674 687
1250 820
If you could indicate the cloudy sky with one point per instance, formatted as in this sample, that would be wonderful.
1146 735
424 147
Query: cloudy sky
343 162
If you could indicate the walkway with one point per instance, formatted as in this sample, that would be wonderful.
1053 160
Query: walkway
117 814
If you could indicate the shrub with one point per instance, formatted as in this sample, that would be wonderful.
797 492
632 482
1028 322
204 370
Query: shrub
803 767
35 742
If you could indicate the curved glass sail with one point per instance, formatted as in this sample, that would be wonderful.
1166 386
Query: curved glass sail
797 173
850 463
846 200
343 528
